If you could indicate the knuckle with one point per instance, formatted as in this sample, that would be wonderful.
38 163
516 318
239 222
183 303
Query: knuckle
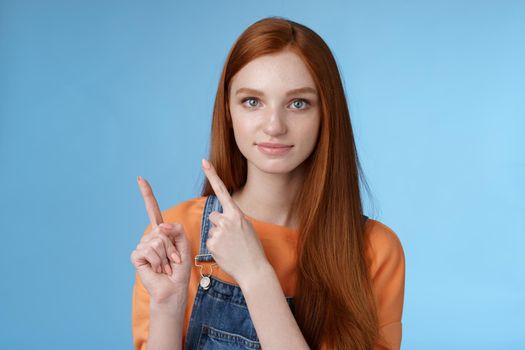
166 240
164 237
154 260
150 251
157 243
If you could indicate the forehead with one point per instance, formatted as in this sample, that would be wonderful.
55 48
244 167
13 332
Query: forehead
275 73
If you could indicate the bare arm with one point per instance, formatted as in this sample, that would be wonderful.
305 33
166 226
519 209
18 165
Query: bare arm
272 318
239 252
165 328
163 263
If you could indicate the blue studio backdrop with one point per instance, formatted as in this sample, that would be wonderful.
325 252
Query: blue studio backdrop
94 93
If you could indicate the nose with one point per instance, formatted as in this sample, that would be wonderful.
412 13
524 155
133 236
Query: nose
275 124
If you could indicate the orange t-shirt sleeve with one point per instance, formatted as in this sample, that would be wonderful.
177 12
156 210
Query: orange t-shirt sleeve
387 272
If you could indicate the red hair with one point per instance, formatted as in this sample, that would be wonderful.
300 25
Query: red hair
334 301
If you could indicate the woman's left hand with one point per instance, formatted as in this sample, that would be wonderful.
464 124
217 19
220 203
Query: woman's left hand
232 241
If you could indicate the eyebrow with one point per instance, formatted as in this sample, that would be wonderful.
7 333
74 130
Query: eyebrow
305 89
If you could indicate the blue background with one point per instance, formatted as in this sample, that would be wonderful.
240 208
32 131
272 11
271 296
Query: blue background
94 93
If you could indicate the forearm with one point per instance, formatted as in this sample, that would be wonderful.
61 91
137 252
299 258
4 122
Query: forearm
271 316
165 328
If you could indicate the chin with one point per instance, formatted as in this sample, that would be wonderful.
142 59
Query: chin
275 166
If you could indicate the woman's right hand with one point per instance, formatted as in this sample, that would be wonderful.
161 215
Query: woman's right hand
163 256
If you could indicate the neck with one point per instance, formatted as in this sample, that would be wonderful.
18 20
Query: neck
268 197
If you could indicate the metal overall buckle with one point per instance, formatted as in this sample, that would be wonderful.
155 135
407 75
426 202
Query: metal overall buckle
205 281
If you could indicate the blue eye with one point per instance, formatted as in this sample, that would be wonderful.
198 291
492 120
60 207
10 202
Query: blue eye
302 103
250 99
253 102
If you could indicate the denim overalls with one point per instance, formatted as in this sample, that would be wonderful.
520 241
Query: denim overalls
220 319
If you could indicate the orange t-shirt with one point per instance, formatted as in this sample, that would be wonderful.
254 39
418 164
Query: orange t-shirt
279 243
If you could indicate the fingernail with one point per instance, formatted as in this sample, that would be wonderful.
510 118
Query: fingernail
168 269
205 163
175 258
139 178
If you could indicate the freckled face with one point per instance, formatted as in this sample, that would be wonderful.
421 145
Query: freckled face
265 109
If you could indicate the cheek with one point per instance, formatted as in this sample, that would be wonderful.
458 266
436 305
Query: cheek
243 132
310 131
308 135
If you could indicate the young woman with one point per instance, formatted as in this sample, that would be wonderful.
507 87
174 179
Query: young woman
276 253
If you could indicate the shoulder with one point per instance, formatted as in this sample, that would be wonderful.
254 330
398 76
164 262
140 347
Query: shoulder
383 246
387 269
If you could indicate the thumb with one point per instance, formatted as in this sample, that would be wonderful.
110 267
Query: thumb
178 237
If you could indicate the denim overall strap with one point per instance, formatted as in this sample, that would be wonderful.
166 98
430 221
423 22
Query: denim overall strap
220 318
212 204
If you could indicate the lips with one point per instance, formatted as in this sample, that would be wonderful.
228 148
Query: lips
274 149
273 145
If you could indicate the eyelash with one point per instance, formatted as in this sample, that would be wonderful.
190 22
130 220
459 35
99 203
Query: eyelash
307 103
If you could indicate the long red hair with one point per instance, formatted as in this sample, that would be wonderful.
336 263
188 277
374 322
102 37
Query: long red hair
334 301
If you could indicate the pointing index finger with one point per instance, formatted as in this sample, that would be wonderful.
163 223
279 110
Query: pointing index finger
218 186
152 207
